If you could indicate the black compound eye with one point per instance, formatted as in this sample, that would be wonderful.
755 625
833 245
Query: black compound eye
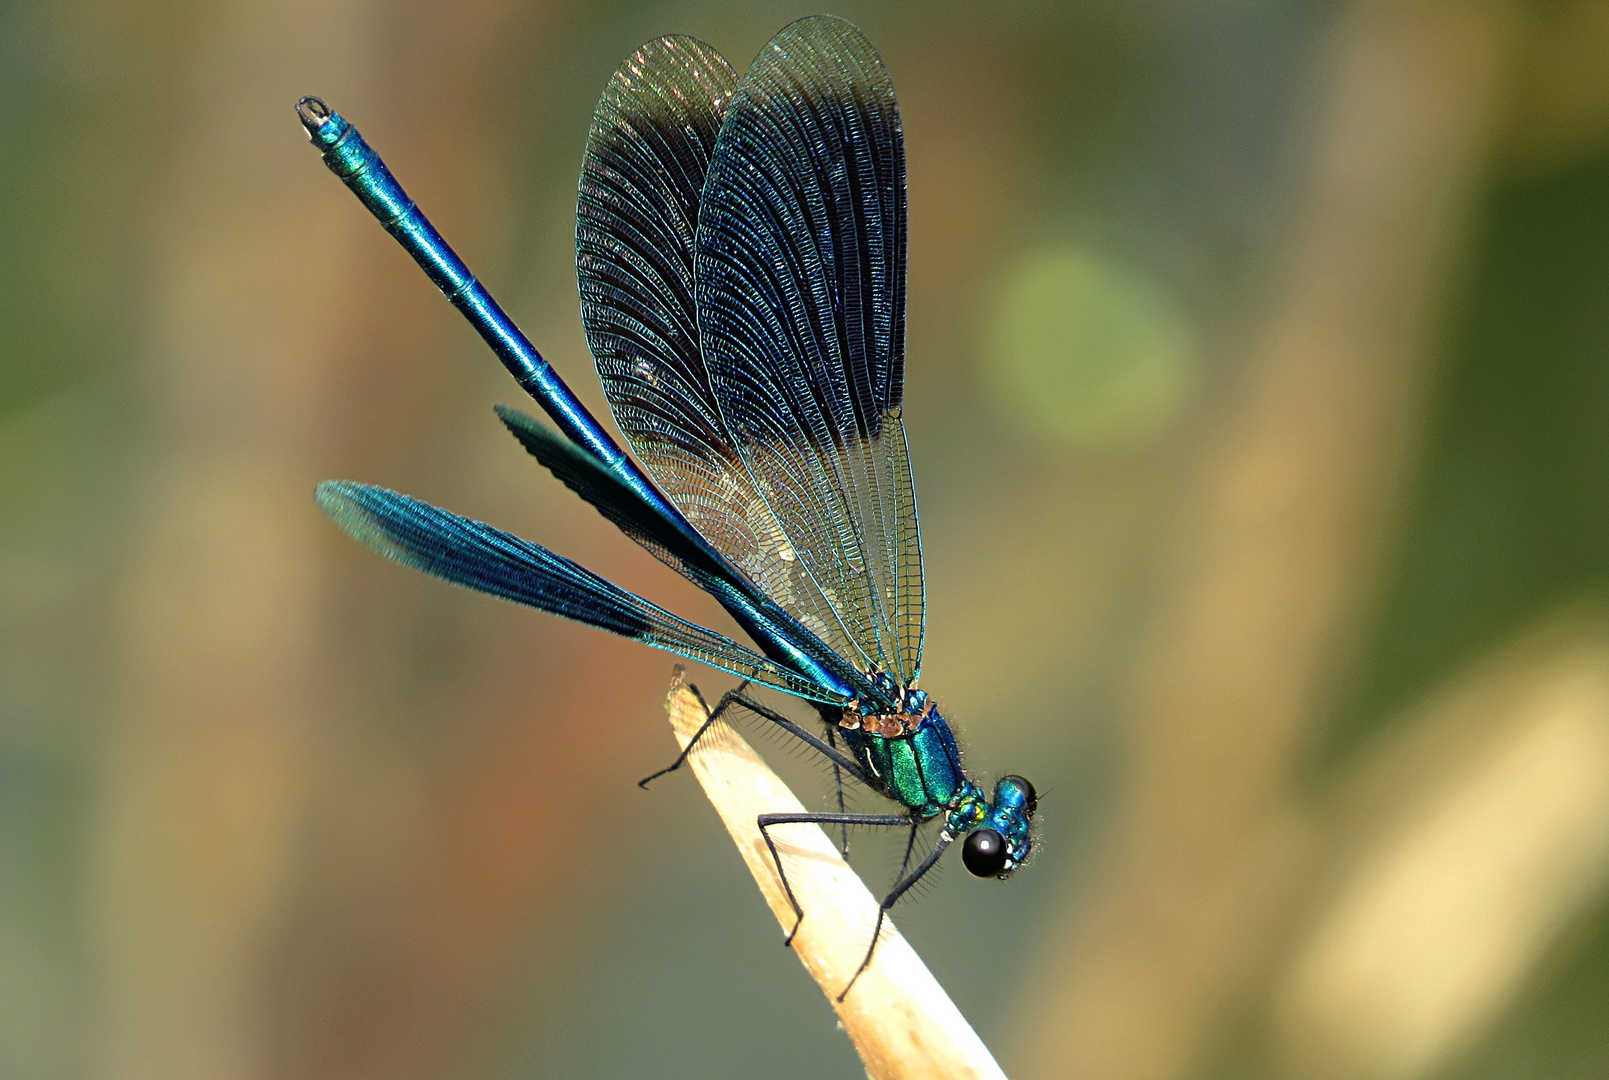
983 853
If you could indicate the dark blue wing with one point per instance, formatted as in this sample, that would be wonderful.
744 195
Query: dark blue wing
800 280
652 137
489 560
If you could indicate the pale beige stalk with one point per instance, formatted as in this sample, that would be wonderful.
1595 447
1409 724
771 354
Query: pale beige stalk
903 1024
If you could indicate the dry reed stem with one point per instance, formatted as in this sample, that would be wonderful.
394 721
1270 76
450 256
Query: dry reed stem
902 1023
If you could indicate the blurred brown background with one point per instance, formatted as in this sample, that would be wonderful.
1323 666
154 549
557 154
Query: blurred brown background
1259 407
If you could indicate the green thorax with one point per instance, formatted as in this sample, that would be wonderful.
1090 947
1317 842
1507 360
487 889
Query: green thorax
917 762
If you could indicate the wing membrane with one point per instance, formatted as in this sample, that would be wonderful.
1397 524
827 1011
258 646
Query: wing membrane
647 153
649 148
486 559
800 284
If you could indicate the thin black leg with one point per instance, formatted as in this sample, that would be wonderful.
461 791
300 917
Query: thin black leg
709 721
809 738
910 846
889 901
766 821
838 791
839 759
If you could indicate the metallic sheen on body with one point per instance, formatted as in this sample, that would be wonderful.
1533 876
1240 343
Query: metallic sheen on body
741 256
351 158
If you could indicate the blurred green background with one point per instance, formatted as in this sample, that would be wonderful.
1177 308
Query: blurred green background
1258 399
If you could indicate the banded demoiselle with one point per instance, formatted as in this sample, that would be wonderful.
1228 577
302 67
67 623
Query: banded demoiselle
741 252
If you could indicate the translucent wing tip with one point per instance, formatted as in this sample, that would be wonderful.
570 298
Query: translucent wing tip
524 426
548 446
695 55
828 43
824 26
361 512
338 499
818 22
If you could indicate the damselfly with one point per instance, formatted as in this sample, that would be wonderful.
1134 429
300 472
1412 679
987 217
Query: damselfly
740 245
